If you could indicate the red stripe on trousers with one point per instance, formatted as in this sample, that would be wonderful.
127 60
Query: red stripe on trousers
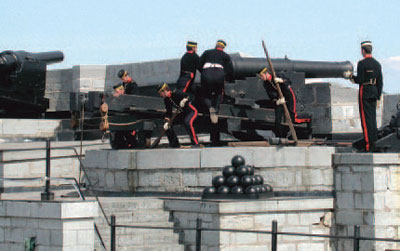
188 82
297 120
363 122
191 124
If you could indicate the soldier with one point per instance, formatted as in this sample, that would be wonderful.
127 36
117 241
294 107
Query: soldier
216 67
181 102
128 86
288 97
189 64
369 77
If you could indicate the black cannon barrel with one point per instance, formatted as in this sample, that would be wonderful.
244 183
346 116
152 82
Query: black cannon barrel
12 60
49 57
249 67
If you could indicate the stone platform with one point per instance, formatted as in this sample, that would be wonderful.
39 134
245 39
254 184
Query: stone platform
288 170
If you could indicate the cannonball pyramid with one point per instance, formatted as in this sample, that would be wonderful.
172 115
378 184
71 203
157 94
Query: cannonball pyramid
237 181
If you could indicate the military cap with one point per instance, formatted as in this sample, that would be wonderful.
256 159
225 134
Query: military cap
162 87
366 43
191 44
221 43
122 73
118 86
263 70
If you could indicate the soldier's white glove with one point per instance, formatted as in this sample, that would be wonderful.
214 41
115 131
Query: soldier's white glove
347 75
183 102
278 80
280 101
166 126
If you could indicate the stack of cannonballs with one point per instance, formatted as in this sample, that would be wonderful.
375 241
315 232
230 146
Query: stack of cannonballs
237 179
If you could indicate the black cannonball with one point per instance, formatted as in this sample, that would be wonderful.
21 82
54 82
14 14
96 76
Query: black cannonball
237 161
258 179
237 190
233 181
258 189
241 171
218 181
263 189
250 170
228 171
209 190
268 187
253 179
246 181
250 190
223 190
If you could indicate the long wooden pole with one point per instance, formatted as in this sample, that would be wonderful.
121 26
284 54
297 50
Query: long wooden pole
157 141
287 114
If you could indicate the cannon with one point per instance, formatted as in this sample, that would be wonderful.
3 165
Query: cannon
246 108
23 82
249 67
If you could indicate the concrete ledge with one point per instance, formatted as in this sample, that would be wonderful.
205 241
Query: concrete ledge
48 210
366 158
251 206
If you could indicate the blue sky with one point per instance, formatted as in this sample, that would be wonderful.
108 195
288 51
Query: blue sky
112 32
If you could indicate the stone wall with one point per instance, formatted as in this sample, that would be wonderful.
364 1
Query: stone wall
57 226
287 169
34 164
29 128
302 215
367 194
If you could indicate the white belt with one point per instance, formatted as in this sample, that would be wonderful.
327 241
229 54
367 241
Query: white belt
210 65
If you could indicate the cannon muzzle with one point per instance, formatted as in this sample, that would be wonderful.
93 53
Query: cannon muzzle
248 67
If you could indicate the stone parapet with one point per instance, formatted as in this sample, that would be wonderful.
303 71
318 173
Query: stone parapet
288 169
367 194
54 225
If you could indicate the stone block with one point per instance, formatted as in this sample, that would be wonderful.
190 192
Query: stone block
96 159
237 221
243 238
351 182
364 201
311 247
121 159
56 238
190 179
349 217
70 237
297 229
168 158
310 218
86 209
345 200
220 157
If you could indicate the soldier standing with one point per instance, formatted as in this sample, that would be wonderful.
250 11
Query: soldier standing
216 67
189 64
369 77
188 112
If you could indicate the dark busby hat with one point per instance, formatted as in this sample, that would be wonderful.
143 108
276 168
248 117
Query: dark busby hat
118 86
162 87
122 73
221 43
191 44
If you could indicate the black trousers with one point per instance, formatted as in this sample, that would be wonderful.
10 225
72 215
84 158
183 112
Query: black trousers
188 116
212 86
185 81
367 108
